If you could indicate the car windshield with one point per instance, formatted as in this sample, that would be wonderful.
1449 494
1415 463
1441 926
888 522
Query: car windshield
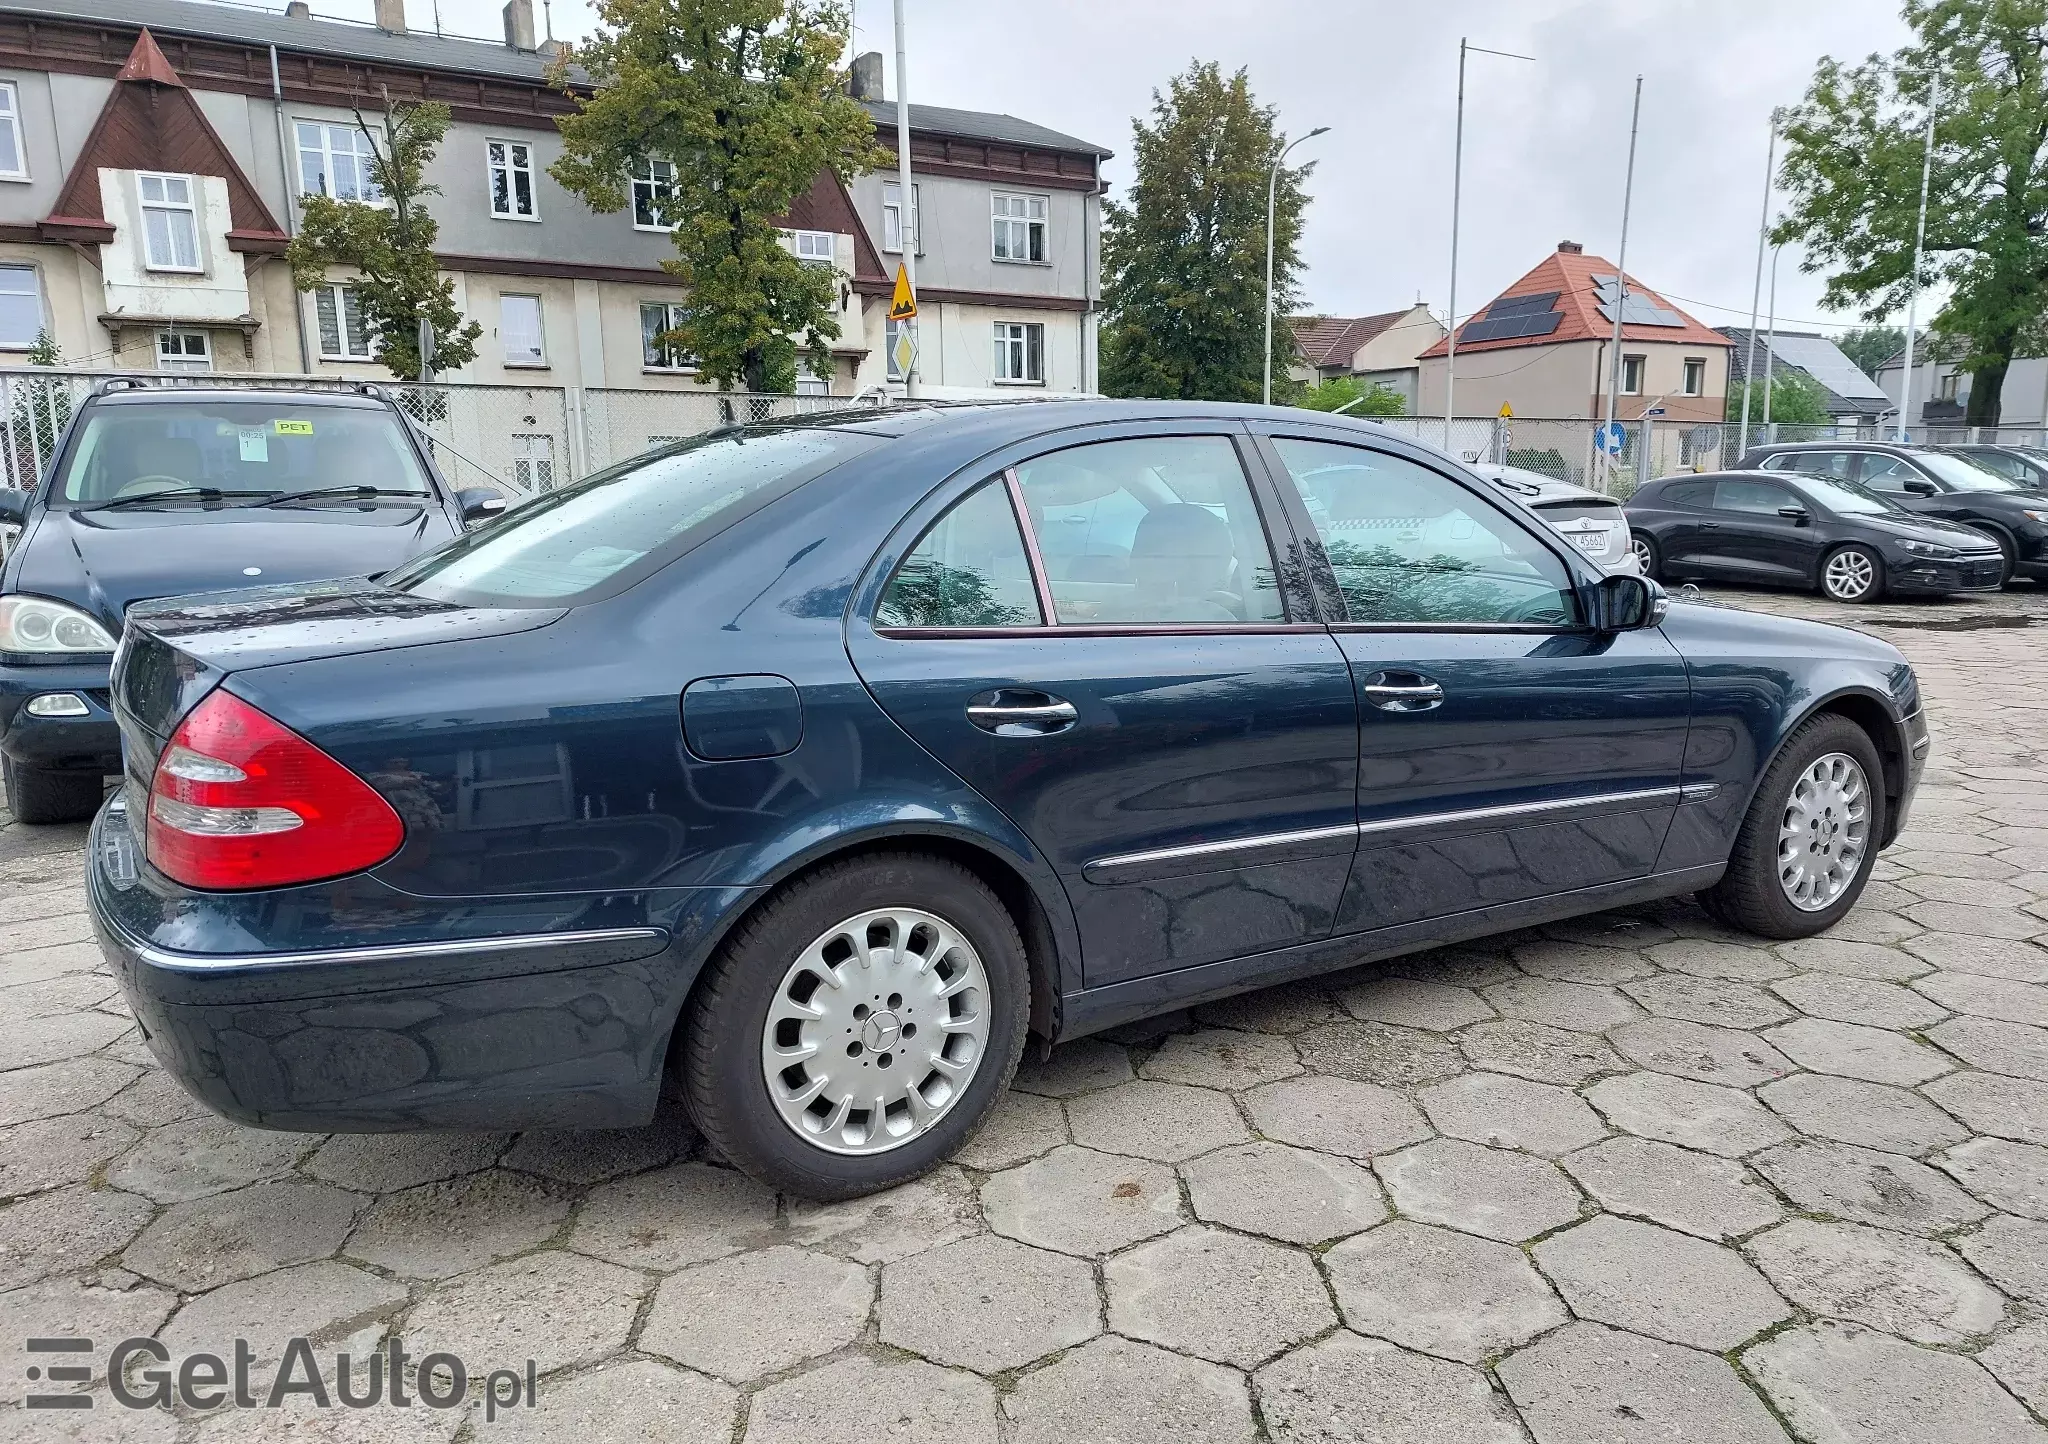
1965 475
1844 498
609 530
249 448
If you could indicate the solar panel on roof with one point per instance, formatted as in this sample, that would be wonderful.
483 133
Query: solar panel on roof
1637 309
1823 360
1518 305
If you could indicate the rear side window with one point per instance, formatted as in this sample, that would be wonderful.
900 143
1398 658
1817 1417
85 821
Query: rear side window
1688 495
1755 498
1814 463
969 570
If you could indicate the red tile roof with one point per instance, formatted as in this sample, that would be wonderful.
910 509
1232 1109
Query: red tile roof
1570 274
1334 340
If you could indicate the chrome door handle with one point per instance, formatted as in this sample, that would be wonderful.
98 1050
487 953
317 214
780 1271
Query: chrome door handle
1021 712
1402 692
1048 712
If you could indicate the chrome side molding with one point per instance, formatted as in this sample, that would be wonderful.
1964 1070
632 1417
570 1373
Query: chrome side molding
395 953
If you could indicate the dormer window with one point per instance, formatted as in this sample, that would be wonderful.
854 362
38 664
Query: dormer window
170 223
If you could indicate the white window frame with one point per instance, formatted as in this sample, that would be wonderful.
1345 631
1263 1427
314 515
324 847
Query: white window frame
512 168
673 362
188 208
339 297
10 121
10 269
361 151
643 180
892 222
1641 365
809 382
1695 370
533 461
1008 223
540 331
816 248
1013 343
185 338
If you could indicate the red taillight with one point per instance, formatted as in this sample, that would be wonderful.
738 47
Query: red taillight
241 801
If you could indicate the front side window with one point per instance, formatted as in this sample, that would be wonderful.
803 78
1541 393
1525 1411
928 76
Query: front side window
13 154
1751 498
1631 375
653 185
892 217
657 351
1695 376
519 329
511 166
335 160
1965 475
1815 463
1020 352
1154 529
1408 544
183 351
968 570
21 307
344 336
1019 224
170 223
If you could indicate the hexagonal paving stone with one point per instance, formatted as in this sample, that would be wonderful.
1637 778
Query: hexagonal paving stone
82 1310
2012 1048
1346 1389
1413 1004
441 1229
1378 1053
1859 1000
2000 998
1019 1128
1488 1191
555 1308
207 1155
1654 1281
212 1241
298 1420
1539 1052
1980 922
2006 1175
319 1301
67 1035
1082 1202
1508 1112
1589 1382
1694 1193
1693 1050
1132 1393
2012 1253
1335 1115
1579 1007
1581 963
1075 1068
1476 966
2002 1107
634 1401
1719 1002
858 1401
152 1101
1289 1008
2022 962
1220 1058
892 1224
387 1162
53 1151
1837 1381
1163 1121
685 1214
1217 1295
1705 958
68 1087
1869 1114
1688 1113
1850 1050
1866 1186
988 1304
2019 1360
1856 960
1903 1285
758 1313
1443 1293
1291 1194
592 1155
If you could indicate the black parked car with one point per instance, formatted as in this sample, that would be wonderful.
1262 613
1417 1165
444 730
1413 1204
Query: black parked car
1932 482
158 491
2027 465
1788 529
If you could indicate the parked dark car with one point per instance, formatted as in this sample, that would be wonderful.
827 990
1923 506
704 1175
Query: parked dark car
1931 482
1818 533
809 766
2027 465
154 491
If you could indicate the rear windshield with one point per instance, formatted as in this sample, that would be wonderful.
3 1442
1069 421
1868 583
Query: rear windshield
609 530
255 447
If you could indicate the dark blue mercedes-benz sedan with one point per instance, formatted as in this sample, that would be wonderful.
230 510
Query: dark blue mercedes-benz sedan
808 768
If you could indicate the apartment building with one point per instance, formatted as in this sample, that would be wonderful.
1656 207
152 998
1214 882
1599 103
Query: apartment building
153 153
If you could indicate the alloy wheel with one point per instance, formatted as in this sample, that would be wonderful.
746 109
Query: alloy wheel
876 1031
1849 575
1645 558
1824 832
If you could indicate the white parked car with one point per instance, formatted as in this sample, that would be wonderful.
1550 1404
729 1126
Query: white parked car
1589 520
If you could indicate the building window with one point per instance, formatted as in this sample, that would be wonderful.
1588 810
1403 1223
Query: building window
1020 352
511 180
1695 376
170 223
810 382
1631 375
814 246
336 160
21 307
343 335
13 154
183 351
892 217
533 461
519 329
1945 388
656 319
654 194
1019 228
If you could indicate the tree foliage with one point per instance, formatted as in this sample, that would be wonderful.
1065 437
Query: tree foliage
1353 397
1852 171
744 98
1796 399
1871 346
390 246
1184 254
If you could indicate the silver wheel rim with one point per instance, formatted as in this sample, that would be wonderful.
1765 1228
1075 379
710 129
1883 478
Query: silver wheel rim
1849 574
876 1031
1642 550
1824 832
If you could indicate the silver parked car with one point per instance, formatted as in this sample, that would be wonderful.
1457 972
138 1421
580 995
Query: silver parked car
1589 520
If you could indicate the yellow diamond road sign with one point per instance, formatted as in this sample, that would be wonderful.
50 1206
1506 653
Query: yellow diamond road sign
902 305
904 352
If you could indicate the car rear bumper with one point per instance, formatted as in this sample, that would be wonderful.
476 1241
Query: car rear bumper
81 744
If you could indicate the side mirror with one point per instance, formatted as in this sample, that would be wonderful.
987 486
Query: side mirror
13 507
479 503
1627 603
1795 513
1921 488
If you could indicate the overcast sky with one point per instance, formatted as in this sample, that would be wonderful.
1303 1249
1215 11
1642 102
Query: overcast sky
1545 142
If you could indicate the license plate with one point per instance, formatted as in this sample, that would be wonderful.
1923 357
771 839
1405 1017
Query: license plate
1589 541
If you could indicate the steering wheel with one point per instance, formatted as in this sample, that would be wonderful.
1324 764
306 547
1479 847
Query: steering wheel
155 481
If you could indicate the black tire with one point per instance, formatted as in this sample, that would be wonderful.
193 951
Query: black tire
1647 555
1871 591
723 1083
37 795
1749 895
2008 558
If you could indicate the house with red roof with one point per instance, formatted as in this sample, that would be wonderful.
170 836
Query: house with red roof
1379 350
1544 347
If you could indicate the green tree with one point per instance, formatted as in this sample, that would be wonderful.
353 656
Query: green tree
390 247
1184 254
1852 172
1353 397
1871 346
745 99
1796 399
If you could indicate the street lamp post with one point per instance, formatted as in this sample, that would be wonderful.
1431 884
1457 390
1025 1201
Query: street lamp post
1905 422
1457 196
1272 182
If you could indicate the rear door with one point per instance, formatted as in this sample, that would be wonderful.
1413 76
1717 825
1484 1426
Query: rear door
1137 678
1505 751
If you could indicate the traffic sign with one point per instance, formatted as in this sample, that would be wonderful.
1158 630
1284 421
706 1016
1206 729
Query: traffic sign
903 304
1507 412
904 352
1654 411
1610 438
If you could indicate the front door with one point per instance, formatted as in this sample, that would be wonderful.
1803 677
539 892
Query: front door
1754 539
1124 679
1506 752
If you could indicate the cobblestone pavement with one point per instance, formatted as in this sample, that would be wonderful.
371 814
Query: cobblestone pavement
1630 1178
